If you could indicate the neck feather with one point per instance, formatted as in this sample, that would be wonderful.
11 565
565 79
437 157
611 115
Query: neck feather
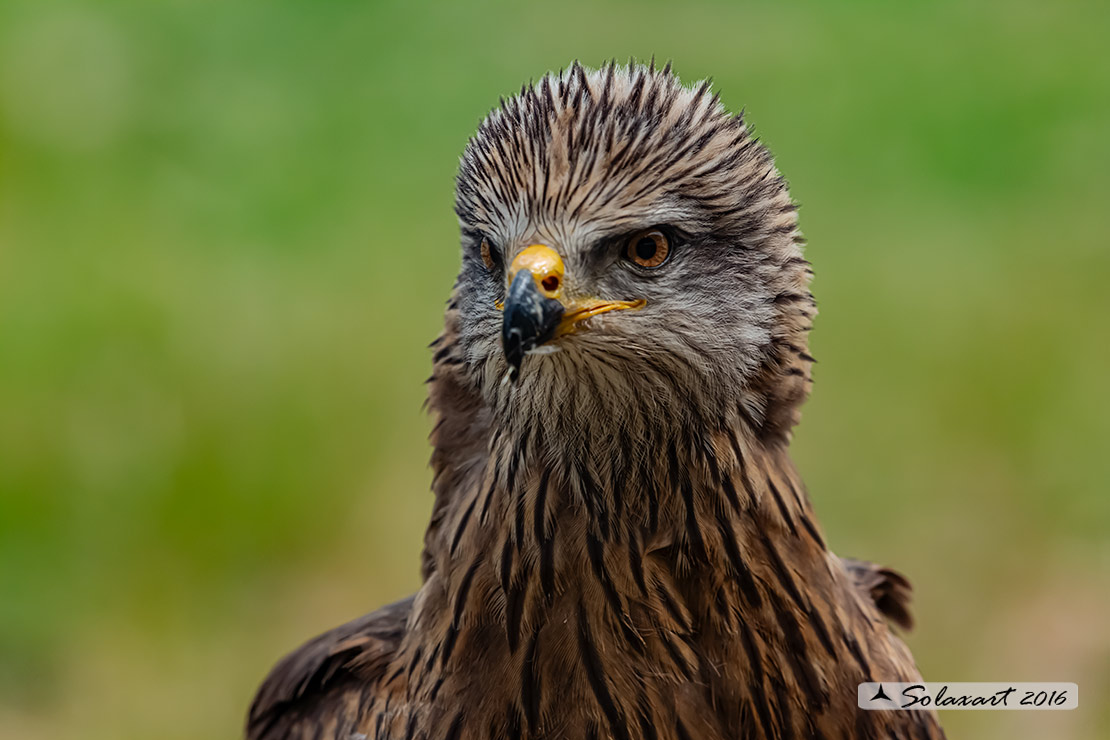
538 515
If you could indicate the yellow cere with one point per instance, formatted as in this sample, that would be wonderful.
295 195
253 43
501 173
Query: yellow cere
546 267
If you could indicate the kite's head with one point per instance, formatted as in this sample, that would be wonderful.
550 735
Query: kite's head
629 251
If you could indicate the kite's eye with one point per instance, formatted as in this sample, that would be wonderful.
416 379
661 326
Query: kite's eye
648 248
490 255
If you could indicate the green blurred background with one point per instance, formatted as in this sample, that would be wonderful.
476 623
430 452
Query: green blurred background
226 237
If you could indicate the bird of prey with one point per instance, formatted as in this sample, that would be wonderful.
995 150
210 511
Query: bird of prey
620 546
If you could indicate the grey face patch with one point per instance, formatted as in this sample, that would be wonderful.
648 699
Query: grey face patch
580 161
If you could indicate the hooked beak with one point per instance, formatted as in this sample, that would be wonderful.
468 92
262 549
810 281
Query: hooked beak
534 310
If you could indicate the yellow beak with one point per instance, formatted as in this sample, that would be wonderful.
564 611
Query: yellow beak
547 270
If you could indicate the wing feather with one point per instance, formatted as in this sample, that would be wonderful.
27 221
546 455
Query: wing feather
320 685
888 589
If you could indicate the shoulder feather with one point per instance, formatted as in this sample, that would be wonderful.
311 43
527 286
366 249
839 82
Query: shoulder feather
308 688
888 589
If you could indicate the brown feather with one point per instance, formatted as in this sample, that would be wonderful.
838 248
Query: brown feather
316 680
888 588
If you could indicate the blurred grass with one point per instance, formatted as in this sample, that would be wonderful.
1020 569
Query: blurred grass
226 237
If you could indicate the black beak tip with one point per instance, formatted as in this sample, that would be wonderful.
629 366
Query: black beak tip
514 351
530 320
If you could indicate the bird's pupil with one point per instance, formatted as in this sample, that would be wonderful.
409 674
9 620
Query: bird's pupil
645 248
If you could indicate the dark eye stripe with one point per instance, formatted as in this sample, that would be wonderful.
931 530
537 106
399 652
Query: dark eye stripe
490 254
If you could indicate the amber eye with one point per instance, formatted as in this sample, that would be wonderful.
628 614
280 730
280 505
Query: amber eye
490 255
648 248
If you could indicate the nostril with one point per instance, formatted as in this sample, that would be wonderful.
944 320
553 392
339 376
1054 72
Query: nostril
550 283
